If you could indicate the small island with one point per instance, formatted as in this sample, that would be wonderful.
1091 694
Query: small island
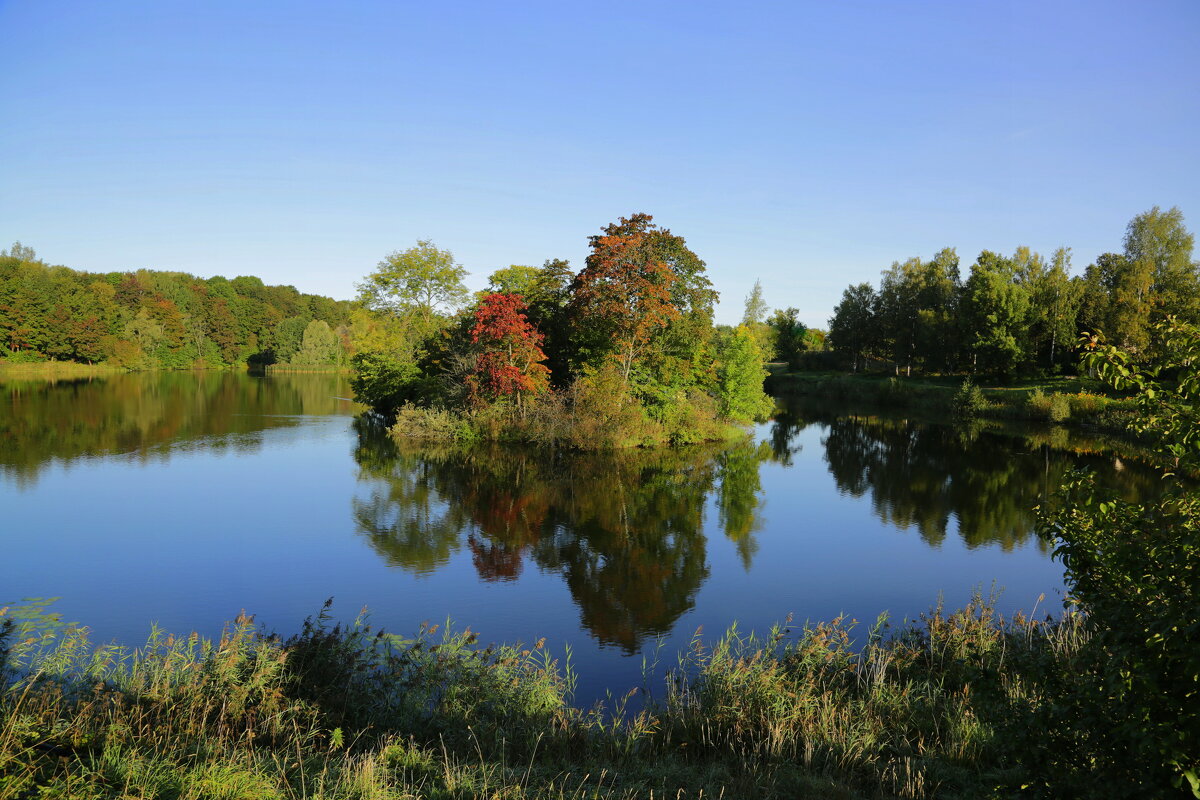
622 354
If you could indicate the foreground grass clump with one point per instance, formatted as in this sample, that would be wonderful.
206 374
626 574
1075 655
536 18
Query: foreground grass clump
947 708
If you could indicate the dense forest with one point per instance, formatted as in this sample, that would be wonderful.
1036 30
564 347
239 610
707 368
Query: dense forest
162 320
1020 314
622 353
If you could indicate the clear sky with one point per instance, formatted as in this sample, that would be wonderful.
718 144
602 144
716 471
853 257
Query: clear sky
805 144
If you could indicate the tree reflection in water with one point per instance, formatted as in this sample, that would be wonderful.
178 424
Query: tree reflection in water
625 529
150 416
921 476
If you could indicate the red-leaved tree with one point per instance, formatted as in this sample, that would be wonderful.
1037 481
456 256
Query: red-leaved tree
626 288
510 358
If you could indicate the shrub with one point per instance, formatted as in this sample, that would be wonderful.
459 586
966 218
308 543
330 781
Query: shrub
1135 569
1087 404
968 402
690 419
23 357
1054 407
436 424
383 382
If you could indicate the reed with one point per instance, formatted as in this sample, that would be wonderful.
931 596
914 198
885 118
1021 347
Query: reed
344 711
53 371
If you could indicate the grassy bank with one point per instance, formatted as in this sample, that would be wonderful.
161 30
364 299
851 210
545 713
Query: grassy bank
957 706
322 369
53 370
1067 401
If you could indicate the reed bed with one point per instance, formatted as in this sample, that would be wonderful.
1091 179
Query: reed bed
316 369
343 711
53 370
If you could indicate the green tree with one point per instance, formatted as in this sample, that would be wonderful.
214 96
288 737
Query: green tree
515 279
756 306
320 345
20 252
415 283
789 335
996 310
741 374
916 311
754 320
853 327
937 310
546 303
289 336
146 333
1118 300
1158 244
1055 299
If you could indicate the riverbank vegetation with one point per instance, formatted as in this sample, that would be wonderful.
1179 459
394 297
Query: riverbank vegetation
345 712
623 353
52 371
162 320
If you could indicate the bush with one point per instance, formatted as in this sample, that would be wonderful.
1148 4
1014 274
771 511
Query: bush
23 357
968 402
1087 404
435 424
382 382
1054 407
1135 569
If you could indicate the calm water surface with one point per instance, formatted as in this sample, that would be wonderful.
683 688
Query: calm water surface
184 498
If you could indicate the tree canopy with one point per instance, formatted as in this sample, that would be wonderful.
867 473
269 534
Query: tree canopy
420 281
150 319
1021 314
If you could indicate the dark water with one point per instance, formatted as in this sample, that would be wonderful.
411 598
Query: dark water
183 498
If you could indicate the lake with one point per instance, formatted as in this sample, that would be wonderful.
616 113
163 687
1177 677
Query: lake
184 498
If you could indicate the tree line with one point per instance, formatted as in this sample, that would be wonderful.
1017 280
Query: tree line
163 320
1021 314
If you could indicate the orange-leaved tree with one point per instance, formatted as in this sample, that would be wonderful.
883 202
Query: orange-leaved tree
510 358
624 292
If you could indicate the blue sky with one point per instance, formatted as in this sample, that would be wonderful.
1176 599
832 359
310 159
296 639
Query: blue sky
808 145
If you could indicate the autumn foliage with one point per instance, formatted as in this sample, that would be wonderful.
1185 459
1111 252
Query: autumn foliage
626 287
509 362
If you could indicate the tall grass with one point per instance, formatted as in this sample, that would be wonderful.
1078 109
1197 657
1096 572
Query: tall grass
347 712
52 370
